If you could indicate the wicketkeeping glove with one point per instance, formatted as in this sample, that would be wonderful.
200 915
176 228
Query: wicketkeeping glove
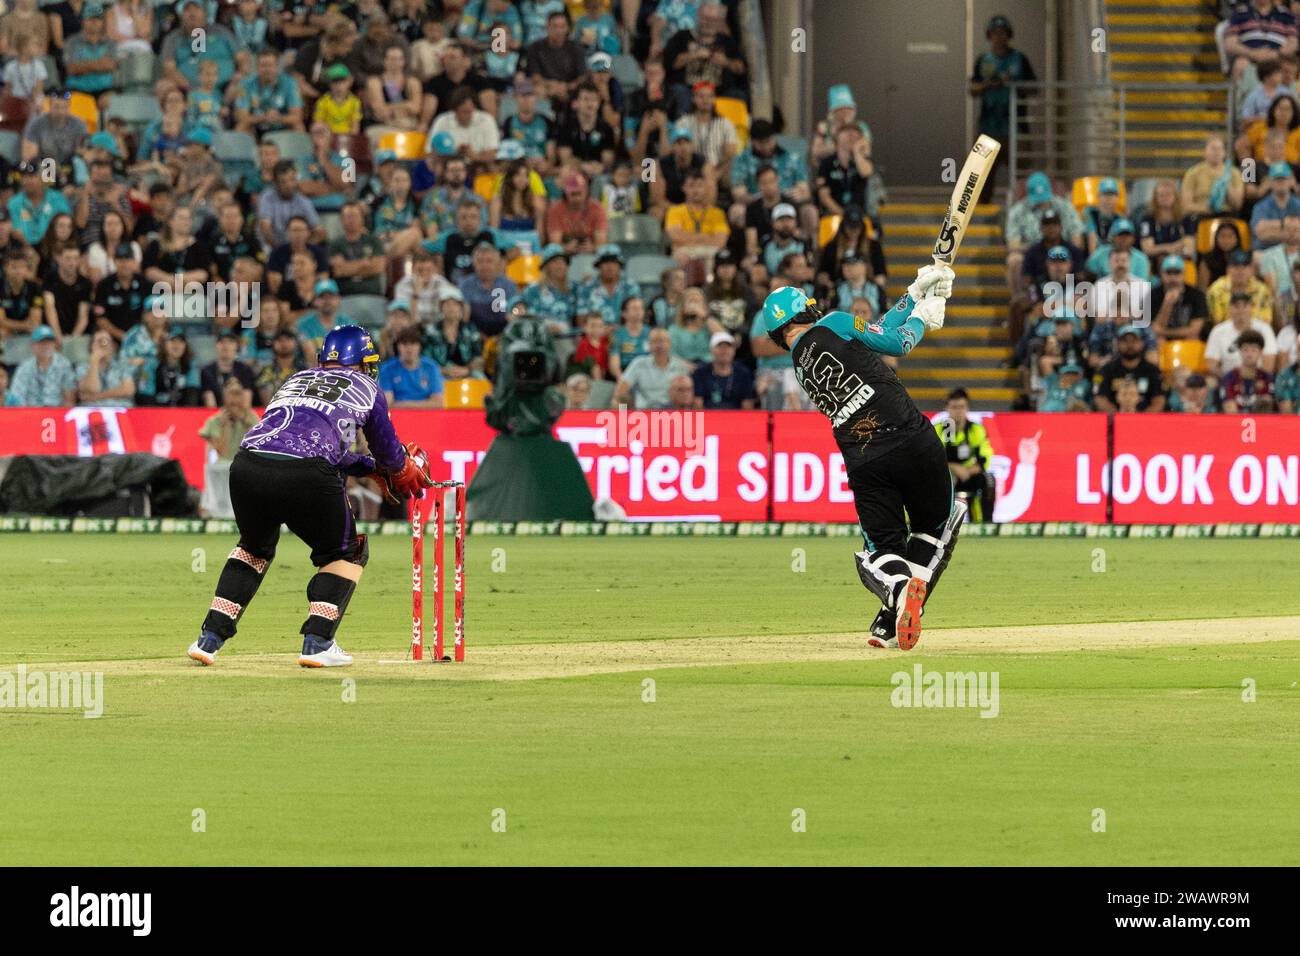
413 477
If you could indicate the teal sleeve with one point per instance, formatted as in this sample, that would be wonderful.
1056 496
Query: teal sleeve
897 333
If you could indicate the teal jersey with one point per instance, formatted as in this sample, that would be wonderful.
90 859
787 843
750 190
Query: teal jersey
204 110
628 346
995 104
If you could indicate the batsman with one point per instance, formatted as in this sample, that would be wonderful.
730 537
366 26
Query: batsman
896 464
292 470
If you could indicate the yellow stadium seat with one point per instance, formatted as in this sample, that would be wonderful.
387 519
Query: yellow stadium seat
485 184
1189 272
1086 191
465 392
1206 229
524 270
826 230
1176 353
84 107
736 111
407 145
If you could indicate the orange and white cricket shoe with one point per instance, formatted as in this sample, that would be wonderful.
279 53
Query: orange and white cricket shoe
907 627
204 650
318 653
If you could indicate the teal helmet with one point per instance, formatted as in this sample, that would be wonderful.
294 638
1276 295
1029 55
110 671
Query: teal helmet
784 306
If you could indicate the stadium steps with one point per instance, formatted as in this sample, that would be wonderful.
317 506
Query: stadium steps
1165 41
971 349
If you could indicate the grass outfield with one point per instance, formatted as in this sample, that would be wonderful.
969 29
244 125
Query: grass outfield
765 705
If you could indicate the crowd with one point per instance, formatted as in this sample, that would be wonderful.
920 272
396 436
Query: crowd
431 170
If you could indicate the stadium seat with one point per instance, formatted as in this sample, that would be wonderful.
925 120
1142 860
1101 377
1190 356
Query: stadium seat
405 145
1139 196
798 145
136 72
137 110
14 113
76 348
1206 229
236 147
485 184
524 270
649 269
11 146
293 145
55 76
203 348
1084 193
356 147
600 395
582 267
465 392
1176 353
628 72
826 229
368 310
637 233
333 224
738 112
17 349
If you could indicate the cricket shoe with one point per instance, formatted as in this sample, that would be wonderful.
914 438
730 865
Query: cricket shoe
907 626
204 650
882 630
319 652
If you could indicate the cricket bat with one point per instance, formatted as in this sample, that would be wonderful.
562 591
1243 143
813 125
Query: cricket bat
979 165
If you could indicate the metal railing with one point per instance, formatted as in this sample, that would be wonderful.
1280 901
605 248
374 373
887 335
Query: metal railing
1069 130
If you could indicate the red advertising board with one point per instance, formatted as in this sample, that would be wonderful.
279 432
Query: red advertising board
1208 469
747 466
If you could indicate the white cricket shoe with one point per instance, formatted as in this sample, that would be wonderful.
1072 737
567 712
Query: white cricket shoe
332 656
205 649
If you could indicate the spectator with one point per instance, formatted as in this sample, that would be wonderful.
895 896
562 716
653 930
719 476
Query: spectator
785 238
696 229
577 389
1122 236
88 56
176 256
457 72
249 26
1286 389
555 64
473 131
394 99
1283 120
577 223
527 126
552 298
1248 388
1034 268
34 207
180 59
118 298
1130 363
113 232
315 325
410 380
690 334
645 381
1254 106
1098 219
268 100
841 112
226 429
584 137
620 195
649 114
600 75
681 394
486 289
854 237
1274 264
1064 345
56 135
176 380
424 288
225 366
25 76
605 292
705 52
453 341
105 378
284 363
67 295
1180 310
1240 279
283 201
591 356
356 257
1221 347
232 240
1193 396
665 306
631 339
397 320
731 303
1160 231
279 264
22 304
857 285
1287 336
791 170
722 382
198 171
45 378
377 37
1024 220
24 21
456 249
713 135
1066 390
995 70
679 161
61 232
1212 187
1214 264
1259 32
440 205
1280 201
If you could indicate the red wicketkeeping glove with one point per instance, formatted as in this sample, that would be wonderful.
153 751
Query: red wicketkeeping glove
413 477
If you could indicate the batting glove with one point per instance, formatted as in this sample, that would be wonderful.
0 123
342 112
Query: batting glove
933 279
930 311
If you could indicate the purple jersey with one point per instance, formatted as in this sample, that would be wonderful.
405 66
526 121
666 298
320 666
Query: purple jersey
316 413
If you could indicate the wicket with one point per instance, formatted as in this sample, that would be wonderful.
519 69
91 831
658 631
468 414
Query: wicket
417 513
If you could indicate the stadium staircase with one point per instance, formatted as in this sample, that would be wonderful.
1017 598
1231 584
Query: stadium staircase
1165 41
972 348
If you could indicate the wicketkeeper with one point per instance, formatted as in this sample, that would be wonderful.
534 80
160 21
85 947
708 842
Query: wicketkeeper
291 469
896 465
